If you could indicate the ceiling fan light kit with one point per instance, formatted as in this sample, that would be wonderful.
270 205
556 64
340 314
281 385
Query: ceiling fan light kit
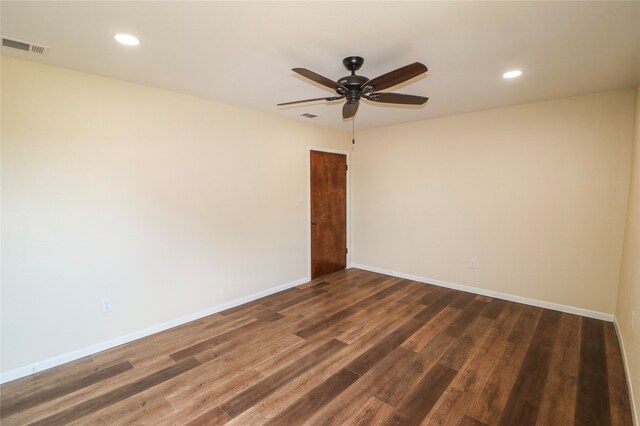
354 87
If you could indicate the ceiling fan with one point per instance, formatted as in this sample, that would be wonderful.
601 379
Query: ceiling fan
354 87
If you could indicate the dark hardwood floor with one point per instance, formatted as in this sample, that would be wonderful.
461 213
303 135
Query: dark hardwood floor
353 347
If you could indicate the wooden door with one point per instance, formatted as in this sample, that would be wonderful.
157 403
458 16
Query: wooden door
328 213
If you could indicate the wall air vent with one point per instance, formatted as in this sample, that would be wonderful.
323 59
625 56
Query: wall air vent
308 115
24 45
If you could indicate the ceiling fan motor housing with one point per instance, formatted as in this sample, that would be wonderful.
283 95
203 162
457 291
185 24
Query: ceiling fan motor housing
353 83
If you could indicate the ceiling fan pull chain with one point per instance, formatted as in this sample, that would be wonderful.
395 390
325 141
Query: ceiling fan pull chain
353 131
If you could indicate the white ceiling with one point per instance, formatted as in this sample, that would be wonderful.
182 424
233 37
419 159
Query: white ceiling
242 52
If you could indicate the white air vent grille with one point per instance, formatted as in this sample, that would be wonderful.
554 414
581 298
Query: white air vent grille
37 49
23 45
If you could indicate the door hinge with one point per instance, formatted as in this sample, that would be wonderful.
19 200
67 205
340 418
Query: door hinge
347 250
347 167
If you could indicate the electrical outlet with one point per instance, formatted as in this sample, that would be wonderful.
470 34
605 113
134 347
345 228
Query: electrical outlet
473 264
106 305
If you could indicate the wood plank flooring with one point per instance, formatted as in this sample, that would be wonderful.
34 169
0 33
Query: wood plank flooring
354 348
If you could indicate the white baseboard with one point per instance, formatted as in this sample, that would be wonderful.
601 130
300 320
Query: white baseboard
98 347
627 371
498 295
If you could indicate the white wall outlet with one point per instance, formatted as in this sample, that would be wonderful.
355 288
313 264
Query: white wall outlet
301 198
106 305
473 264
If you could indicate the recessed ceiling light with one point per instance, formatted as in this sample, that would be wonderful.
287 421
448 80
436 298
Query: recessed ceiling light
512 74
127 39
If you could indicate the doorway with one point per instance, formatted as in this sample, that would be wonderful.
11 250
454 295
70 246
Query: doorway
328 177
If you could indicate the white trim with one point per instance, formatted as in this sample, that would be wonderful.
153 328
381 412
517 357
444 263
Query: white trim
627 373
498 295
98 347
333 151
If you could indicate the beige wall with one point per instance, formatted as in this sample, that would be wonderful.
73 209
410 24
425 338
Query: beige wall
629 290
535 193
168 204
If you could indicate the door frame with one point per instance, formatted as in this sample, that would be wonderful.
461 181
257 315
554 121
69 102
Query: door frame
332 151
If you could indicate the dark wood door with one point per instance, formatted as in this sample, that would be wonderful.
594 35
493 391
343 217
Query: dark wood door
328 213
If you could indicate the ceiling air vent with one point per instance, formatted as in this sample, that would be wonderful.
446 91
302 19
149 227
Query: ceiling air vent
23 45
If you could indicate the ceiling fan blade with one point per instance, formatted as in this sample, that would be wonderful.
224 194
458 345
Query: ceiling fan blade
350 109
395 77
319 79
397 98
331 98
